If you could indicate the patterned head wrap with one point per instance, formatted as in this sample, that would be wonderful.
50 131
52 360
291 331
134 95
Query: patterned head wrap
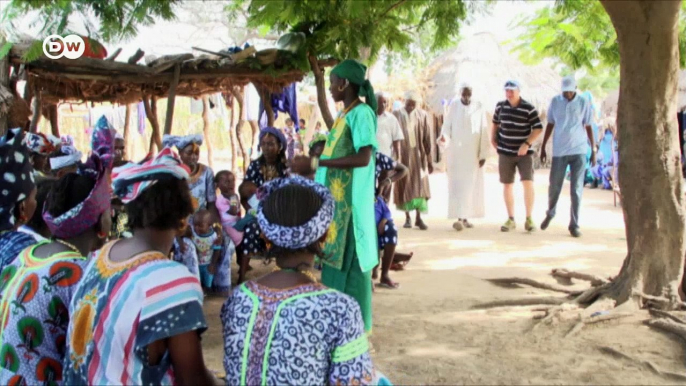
40 143
130 180
16 174
70 154
355 72
275 132
296 237
180 142
98 167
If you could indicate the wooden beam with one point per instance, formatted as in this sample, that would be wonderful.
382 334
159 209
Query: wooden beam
114 55
171 99
206 127
35 118
266 97
136 57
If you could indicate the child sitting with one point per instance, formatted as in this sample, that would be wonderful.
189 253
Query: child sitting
291 315
228 204
208 244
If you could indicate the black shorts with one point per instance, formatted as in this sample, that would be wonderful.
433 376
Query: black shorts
508 163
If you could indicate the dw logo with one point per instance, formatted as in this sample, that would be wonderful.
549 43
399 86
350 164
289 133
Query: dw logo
71 46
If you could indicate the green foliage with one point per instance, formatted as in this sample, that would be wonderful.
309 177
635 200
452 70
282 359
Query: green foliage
359 29
118 19
579 34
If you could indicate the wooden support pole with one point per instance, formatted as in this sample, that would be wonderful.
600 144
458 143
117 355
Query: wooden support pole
171 99
35 118
114 55
151 112
4 81
238 94
127 126
206 127
232 135
54 119
136 57
266 97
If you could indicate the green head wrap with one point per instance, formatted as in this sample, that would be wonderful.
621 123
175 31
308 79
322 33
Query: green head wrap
355 72
318 138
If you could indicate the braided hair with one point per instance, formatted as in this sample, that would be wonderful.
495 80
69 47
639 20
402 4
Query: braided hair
290 206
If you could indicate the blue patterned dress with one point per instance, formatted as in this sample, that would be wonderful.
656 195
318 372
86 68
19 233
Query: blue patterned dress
304 335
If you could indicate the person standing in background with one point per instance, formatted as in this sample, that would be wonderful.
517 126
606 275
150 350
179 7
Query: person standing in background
516 125
569 121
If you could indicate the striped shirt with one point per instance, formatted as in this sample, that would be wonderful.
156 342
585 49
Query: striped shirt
515 125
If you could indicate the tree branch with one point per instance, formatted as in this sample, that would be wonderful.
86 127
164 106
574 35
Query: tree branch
392 7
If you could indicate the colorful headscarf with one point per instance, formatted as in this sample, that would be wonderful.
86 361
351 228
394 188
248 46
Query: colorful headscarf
70 154
180 142
130 180
296 237
275 132
16 173
40 143
98 167
355 73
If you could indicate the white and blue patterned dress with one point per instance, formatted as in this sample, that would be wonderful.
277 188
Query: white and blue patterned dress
304 335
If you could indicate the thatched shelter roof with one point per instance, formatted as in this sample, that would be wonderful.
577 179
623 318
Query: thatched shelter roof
487 65
97 80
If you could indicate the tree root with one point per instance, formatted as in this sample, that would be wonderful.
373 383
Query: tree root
643 363
665 314
596 319
563 273
510 281
669 325
553 314
661 302
531 301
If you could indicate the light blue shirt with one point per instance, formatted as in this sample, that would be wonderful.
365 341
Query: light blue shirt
570 119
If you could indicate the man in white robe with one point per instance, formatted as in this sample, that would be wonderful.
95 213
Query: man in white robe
465 130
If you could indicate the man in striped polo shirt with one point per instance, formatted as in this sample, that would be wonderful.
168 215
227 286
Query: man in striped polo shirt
516 126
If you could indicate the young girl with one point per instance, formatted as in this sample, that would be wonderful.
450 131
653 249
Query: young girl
252 243
229 208
285 328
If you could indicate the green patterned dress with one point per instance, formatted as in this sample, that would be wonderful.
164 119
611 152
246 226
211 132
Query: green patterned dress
351 246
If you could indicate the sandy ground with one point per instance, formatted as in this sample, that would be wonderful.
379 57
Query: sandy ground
427 332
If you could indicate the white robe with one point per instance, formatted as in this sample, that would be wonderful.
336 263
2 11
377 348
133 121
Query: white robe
466 130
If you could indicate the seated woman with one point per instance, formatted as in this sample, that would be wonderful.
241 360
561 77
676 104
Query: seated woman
262 318
136 316
19 196
35 316
36 226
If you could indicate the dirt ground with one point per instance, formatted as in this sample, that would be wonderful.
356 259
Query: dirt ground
427 332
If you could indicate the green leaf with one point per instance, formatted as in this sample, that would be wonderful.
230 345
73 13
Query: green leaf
5 49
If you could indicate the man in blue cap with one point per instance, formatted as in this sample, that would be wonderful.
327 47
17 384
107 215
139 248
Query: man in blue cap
516 126
569 122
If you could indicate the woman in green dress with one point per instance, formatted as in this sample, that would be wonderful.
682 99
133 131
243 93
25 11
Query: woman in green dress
347 168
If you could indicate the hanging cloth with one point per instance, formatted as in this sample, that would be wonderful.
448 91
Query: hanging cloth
285 102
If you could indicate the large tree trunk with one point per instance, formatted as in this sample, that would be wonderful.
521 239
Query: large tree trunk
649 170
206 128
321 91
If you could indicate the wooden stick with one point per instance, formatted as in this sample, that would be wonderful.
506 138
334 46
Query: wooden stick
206 127
151 112
532 301
563 273
230 56
171 99
238 94
643 363
54 119
114 55
37 105
136 57
533 283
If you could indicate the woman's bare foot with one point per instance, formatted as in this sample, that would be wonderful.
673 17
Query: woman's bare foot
387 283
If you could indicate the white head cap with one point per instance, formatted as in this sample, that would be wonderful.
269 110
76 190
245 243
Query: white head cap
568 84
412 96
464 85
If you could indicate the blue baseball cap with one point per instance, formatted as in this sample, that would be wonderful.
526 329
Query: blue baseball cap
512 85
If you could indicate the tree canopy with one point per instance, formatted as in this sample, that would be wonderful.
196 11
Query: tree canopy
117 19
579 34
346 28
